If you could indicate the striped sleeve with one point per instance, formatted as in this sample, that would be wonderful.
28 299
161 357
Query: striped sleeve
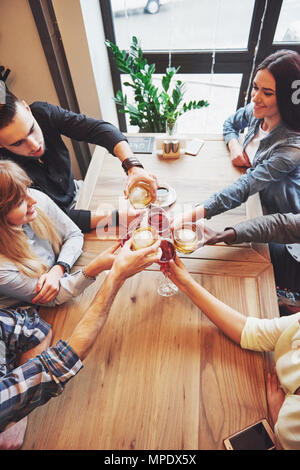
34 383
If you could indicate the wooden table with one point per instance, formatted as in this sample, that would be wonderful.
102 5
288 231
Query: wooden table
161 375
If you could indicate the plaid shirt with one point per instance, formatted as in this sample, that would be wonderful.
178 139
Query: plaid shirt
26 387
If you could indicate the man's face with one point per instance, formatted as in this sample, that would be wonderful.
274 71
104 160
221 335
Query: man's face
23 136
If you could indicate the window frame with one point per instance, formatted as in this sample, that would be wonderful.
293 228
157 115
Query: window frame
197 62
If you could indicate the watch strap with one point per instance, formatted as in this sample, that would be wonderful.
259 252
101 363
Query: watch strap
129 163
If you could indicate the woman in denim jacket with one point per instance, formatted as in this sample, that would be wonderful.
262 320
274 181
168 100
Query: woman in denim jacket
271 147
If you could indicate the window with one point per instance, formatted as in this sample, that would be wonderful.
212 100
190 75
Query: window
184 24
288 27
215 88
214 42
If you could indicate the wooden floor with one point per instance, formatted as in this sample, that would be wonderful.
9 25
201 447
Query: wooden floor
161 375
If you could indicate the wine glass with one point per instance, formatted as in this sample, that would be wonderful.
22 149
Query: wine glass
166 287
143 237
158 219
186 237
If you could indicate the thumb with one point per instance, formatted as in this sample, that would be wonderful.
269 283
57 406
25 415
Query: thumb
40 282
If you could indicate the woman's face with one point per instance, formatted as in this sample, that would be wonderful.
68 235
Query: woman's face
24 212
264 95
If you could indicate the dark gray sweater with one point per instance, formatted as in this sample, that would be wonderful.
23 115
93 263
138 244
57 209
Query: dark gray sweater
278 228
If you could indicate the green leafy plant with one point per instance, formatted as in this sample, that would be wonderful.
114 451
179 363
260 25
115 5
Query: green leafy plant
154 107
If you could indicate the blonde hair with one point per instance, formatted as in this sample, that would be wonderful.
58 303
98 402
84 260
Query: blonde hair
14 245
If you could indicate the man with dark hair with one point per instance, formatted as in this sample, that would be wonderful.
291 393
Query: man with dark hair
31 136
43 371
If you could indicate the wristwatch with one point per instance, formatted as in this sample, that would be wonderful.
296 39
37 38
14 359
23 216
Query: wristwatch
129 163
66 267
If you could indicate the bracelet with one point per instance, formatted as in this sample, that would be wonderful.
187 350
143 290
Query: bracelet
129 163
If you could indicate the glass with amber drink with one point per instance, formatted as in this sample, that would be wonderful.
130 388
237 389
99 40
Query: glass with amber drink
143 237
186 238
140 195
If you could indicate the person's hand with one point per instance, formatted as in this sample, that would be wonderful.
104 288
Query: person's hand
192 215
275 396
238 157
128 215
48 285
227 236
107 257
177 272
136 174
129 262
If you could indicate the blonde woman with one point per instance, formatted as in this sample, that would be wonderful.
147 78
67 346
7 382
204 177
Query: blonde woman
38 246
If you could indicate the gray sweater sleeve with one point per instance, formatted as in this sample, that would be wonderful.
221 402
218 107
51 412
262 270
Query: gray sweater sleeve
279 228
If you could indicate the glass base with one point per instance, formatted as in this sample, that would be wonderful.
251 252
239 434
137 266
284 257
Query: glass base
167 288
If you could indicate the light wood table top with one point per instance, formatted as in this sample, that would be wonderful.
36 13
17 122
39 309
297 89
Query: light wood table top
161 375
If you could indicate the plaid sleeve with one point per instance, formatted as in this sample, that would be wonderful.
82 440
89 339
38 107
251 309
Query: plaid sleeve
34 383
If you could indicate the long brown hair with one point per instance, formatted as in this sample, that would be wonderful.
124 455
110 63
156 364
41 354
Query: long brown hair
284 65
14 245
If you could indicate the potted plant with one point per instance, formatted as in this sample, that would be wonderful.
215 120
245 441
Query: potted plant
155 110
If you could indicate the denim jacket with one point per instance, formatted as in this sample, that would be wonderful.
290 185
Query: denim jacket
275 173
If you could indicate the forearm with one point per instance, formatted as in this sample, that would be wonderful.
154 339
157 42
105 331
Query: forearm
103 218
233 143
279 228
229 198
71 250
237 122
122 150
224 317
95 267
87 330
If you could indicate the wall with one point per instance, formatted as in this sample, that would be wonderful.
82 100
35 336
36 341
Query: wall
21 51
81 28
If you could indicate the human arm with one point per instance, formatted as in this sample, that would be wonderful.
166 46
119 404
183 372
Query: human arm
19 287
136 173
230 321
83 128
126 264
232 128
71 247
237 122
237 154
250 332
282 161
279 228
45 375
71 235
